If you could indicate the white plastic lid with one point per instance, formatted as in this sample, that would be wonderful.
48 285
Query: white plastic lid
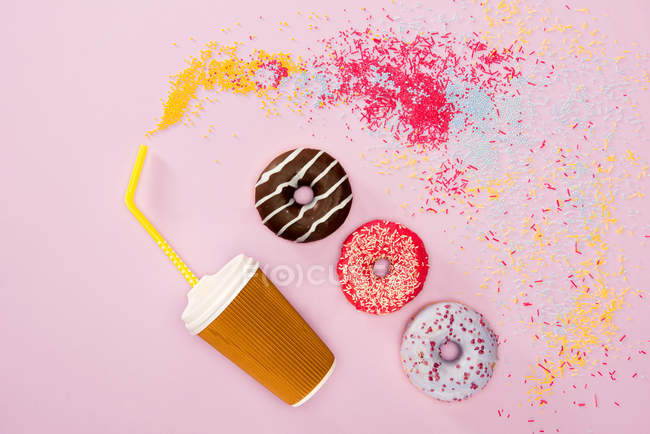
213 293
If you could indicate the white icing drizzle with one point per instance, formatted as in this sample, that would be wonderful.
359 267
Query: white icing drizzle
293 182
323 173
324 218
313 204
270 216
266 175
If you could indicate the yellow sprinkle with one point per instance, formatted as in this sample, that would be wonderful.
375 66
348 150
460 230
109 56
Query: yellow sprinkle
219 68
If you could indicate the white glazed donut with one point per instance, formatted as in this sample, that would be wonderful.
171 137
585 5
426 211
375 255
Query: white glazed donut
448 380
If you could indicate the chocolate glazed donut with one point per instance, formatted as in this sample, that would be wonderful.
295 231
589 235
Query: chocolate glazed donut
314 220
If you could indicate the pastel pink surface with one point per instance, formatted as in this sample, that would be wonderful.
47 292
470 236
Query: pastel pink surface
90 326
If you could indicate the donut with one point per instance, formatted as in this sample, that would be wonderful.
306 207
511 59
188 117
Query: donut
314 220
407 266
426 334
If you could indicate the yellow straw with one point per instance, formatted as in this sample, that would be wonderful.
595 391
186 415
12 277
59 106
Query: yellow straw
130 204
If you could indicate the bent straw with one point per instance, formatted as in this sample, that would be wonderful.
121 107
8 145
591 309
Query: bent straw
130 204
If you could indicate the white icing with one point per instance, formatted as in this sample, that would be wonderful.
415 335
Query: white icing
270 216
323 173
423 363
213 293
293 182
306 208
324 218
266 175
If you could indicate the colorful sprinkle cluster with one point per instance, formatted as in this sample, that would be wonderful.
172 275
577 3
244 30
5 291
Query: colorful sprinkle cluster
400 86
409 90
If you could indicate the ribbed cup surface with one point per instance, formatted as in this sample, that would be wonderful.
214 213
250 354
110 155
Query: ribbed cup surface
264 335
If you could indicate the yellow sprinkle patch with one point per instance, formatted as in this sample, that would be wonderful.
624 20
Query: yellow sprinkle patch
220 69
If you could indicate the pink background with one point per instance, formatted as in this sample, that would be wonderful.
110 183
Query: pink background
90 326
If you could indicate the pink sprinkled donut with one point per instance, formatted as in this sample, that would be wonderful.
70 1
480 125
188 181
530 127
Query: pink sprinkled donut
406 266
436 327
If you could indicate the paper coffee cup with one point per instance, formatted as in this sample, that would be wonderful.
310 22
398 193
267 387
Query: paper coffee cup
243 315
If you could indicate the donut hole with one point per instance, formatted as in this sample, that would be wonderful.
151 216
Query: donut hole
450 351
381 268
303 195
